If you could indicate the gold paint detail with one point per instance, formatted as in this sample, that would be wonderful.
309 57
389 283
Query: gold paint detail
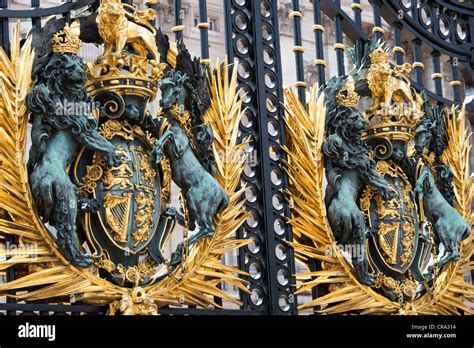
318 27
388 239
398 49
407 287
120 175
378 30
347 95
143 217
357 6
50 276
134 302
305 129
319 62
178 28
295 14
298 49
118 26
203 25
418 65
391 91
67 40
117 212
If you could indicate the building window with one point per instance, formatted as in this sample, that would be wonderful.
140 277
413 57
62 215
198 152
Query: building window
212 23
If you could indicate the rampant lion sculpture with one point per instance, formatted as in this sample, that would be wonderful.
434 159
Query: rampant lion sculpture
56 138
349 168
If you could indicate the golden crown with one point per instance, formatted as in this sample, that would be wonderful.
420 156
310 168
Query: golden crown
379 56
67 40
396 108
396 122
118 69
347 95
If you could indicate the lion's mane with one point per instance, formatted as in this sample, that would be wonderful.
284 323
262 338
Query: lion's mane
53 88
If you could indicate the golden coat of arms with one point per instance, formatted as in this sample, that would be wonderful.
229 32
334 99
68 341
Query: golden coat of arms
93 193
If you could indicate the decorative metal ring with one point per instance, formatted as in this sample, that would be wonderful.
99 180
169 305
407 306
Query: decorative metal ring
418 65
295 14
298 49
357 6
317 27
464 27
378 29
442 17
398 49
436 76
456 83
405 7
339 45
203 25
319 62
427 8
177 28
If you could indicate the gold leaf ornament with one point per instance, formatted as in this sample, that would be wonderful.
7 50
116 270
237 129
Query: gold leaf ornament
50 276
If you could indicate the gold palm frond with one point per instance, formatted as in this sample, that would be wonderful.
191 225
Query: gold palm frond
48 274
305 127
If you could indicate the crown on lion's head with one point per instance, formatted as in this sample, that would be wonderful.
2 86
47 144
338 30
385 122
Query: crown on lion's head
67 40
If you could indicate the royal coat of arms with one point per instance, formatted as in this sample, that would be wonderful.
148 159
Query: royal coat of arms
94 192
391 230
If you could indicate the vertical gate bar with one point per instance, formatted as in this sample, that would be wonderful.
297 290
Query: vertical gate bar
260 56
178 20
228 31
417 65
414 10
203 26
378 31
456 82
36 21
357 8
318 35
288 237
67 15
318 30
4 30
339 45
437 76
298 50
398 49
433 7
452 26
267 14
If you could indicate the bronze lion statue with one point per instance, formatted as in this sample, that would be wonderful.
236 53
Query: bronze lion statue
58 133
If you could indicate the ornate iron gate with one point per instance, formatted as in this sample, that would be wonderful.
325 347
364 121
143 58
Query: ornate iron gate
253 42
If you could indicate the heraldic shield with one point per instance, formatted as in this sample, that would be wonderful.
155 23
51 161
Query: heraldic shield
128 195
395 221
